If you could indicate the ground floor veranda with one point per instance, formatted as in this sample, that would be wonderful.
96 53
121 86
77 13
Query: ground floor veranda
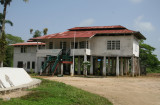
102 66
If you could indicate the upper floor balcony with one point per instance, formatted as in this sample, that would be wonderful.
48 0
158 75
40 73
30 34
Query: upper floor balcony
55 52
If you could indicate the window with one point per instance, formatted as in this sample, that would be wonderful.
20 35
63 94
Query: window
76 45
84 44
23 49
63 45
28 65
33 65
20 64
50 45
117 45
108 45
113 45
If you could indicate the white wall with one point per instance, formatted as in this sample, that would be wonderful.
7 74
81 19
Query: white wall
135 47
29 56
99 46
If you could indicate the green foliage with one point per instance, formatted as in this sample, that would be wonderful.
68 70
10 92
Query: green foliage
148 59
37 33
6 21
45 30
56 93
8 62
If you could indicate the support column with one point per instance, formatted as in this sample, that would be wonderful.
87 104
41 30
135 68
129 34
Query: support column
125 66
91 68
113 66
133 67
121 70
61 68
109 66
85 68
79 65
128 66
36 65
117 66
104 66
71 70
139 70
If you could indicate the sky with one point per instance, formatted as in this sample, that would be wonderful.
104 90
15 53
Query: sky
60 15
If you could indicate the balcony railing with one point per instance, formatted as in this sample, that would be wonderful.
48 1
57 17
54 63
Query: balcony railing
80 52
54 52
45 52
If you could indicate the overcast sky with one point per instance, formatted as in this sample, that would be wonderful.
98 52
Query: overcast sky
60 15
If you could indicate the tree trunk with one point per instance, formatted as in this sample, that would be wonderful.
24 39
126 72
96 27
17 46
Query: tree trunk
3 33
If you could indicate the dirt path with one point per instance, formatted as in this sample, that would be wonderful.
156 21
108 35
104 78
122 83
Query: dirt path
120 91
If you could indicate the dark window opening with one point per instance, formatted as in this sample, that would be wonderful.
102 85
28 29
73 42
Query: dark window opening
20 64
50 45
33 65
28 65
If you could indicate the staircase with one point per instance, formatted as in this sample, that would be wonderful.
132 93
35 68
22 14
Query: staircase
54 61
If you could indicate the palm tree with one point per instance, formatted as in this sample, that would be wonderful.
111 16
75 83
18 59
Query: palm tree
3 42
45 30
31 30
6 21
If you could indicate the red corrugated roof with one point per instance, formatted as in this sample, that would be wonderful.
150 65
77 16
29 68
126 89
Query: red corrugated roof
98 27
87 32
27 44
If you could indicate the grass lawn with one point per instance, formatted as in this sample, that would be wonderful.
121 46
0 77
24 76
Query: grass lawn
56 93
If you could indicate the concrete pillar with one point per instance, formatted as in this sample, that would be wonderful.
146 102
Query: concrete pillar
71 70
91 68
125 66
121 70
139 70
104 66
79 65
113 66
133 67
117 66
36 65
61 68
85 68
109 65
128 66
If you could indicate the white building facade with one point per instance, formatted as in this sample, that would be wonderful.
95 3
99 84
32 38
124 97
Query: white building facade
111 50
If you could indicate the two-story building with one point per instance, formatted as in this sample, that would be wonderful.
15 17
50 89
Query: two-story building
25 55
111 50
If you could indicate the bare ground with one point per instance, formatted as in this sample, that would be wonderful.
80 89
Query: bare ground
16 94
119 90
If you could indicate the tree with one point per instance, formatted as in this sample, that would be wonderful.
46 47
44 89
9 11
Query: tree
37 33
147 57
45 30
8 61
6 21
31 30
3 42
